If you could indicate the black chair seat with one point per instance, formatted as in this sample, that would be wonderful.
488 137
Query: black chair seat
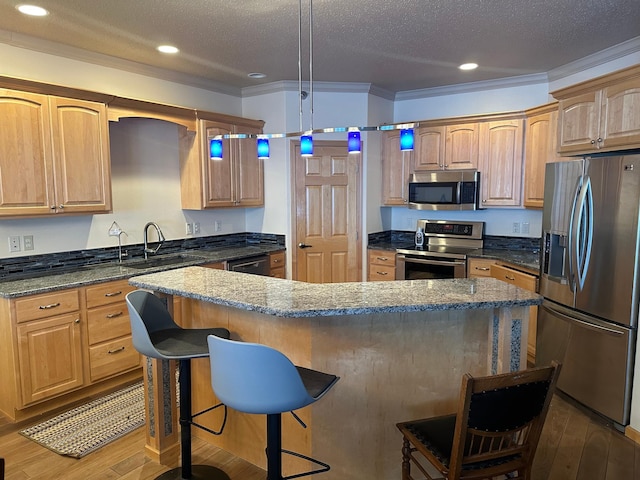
314 381
185 343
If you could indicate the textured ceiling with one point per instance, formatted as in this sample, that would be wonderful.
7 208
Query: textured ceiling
397 46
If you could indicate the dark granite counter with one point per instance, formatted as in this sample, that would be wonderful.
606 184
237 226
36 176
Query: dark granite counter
517 258
40 282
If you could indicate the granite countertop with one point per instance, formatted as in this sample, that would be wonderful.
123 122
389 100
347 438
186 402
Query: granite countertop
87 275
288 298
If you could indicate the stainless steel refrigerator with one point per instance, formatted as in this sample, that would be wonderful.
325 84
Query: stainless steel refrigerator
589 278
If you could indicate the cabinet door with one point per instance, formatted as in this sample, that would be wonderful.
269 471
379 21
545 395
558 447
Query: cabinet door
249 173
540 148
501 162
461 150
82 170
49 357
26 164
620 117
396 166
218 174
429 148
578 123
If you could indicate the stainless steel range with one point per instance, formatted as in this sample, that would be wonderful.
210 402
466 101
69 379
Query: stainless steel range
443 254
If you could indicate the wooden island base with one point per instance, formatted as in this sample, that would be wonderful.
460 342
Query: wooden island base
392 367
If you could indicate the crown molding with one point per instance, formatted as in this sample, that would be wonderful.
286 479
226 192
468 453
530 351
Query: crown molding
519 81
623 49
325 87
73 53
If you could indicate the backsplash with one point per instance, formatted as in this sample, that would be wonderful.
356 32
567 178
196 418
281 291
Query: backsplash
68 261
491 242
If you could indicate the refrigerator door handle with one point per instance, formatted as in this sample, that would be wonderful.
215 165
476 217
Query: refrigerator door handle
572 238
591 326
583 232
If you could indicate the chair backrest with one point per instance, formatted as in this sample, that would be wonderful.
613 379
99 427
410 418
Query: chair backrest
500 418
254 378
147 314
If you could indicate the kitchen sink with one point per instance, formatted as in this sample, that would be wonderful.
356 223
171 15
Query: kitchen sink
161 262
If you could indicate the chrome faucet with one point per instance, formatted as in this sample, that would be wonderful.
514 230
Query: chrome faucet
161 239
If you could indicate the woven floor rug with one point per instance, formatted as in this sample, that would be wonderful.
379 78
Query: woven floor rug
88 427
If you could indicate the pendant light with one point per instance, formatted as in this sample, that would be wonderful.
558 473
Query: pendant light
215 149
263 148
306 140
406 139
353 141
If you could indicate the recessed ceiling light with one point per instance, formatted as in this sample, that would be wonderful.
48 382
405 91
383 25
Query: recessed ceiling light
168 49
468 66
256 75
32 10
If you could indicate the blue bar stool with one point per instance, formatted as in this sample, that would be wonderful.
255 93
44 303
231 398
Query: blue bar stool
264 381
156 335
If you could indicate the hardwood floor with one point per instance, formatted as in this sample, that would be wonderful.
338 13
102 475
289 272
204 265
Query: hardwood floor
575 444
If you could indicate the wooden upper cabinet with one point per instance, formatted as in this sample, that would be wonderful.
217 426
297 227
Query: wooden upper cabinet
600 114
54 155
429 148
396 168
82 163
236 180
540 148
461 150
500 162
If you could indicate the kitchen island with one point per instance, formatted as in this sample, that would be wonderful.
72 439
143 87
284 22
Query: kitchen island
399 348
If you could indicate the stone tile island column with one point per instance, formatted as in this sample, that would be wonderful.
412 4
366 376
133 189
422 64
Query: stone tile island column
400 350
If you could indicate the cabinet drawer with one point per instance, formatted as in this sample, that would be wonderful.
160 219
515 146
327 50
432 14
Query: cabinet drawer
46 305
276 260
519 279
479 267
381 272
108 322
382 257
112 358
106 293
277 272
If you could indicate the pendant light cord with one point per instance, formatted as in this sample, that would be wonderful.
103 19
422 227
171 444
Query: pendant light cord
300 61
311 63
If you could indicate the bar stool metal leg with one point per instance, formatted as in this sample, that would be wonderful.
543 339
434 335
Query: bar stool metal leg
187 471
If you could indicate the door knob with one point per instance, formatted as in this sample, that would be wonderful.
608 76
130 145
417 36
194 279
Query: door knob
304 245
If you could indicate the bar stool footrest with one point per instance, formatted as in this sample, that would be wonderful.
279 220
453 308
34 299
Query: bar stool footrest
325 466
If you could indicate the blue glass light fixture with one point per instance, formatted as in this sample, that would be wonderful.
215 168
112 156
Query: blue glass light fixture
406 139
263 148
215 149
306 145
353 142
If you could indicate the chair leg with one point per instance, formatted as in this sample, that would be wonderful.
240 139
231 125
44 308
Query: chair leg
188 471
406 459
274 446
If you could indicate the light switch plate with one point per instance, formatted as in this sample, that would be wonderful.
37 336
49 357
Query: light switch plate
27 241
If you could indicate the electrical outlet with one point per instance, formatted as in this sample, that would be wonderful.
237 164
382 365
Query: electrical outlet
217 226
516 227
14 243
189 228
27 241
196 228
524 229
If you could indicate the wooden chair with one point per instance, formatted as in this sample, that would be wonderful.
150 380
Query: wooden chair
494 432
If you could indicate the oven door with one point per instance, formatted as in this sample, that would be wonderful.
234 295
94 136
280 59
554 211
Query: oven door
409 267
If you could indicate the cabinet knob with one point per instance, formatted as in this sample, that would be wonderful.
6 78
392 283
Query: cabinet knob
61 207
53 207
77 320
593 142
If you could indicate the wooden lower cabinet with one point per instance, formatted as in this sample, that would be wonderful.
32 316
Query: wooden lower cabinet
479 267
277 265
111 350
62 346
382 265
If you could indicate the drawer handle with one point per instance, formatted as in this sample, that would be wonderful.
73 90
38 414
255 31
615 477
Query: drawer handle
121 349
113 294
275 260
382 273
384 259
509 278
484 269
51 305
114 315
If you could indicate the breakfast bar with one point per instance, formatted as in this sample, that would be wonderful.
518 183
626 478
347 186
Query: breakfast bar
400 350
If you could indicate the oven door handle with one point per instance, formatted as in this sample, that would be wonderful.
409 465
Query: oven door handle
430 262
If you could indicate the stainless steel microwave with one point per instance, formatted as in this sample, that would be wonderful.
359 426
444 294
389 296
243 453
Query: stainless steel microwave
445 190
